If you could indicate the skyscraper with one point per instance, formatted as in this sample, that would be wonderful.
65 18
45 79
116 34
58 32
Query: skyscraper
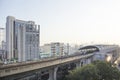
22 39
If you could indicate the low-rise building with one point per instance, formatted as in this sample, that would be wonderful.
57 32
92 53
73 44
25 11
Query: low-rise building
57 49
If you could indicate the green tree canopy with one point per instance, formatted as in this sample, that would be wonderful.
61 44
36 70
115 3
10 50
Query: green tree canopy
98 70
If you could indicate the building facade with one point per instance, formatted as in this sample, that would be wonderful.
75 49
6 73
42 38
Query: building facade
53 49
22 39
3 51
45 51
57 49
2 36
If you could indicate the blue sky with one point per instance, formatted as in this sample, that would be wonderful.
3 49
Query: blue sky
68 21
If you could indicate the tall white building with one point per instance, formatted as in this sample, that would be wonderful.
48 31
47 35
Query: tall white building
22 39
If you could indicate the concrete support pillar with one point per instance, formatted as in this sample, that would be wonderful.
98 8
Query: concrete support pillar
88 61
53 74
77 64
39 76
81 63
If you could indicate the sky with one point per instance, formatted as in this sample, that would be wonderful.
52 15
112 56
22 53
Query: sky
68 21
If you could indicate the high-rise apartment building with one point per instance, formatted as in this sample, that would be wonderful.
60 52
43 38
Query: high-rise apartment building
57 49
22 39
53 49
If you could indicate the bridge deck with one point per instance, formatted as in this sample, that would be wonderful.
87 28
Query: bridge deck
11 69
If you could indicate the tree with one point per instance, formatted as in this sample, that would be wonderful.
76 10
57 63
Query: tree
106 71
98 70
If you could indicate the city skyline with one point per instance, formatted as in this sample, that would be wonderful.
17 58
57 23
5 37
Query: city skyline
78 21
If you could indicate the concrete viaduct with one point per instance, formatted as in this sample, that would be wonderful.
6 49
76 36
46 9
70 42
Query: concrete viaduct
55 68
